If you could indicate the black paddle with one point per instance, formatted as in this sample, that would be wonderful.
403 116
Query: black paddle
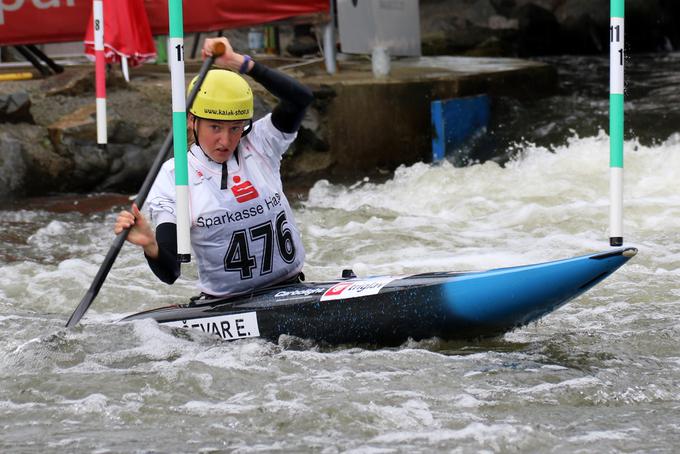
105 267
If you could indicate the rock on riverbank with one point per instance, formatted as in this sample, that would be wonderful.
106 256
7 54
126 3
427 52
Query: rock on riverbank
544 27
349 131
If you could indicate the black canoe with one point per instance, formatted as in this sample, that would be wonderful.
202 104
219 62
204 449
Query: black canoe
388 310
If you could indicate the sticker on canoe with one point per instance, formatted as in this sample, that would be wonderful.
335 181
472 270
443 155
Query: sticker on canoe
228 327
301 292
356 289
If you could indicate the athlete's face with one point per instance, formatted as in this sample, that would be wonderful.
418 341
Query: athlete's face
219 138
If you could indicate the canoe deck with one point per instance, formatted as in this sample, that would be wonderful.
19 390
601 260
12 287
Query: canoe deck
388 310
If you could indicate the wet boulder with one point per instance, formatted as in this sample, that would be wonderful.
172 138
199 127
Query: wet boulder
12 165
543 27
538 31
28 163
463 27
78 82
74 128
15 108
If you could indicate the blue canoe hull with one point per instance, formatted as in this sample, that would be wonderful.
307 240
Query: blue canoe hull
390 310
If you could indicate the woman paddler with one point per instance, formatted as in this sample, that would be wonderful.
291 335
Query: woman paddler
243 233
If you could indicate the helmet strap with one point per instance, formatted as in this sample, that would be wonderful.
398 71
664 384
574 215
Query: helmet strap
248 128
195 132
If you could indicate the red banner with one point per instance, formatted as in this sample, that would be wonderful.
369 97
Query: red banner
49 21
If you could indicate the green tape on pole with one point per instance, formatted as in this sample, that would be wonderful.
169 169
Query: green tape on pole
616 130
176 18
617 8
179 132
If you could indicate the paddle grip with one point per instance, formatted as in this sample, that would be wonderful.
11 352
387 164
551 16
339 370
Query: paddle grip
218 49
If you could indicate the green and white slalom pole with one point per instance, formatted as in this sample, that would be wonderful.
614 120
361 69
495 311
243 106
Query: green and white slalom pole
179 128
616 61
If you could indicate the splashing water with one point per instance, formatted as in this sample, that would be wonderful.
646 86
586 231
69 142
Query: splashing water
603 369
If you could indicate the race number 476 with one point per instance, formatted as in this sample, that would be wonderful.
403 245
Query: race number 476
239 258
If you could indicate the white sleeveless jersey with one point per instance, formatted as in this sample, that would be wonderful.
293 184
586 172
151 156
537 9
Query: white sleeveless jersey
243 237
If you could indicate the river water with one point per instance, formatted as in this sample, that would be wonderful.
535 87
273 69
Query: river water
601 374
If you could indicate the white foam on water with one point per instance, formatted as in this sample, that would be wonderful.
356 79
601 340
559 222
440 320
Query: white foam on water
600 435
615 346
370 450
200 408
158 349
549 202
468 401
411 414
65 443
550 388
7 405
152 344
492 436
293 409
329 385
94 403
51 233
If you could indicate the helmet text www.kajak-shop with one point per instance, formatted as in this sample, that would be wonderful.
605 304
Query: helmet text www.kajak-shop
229 113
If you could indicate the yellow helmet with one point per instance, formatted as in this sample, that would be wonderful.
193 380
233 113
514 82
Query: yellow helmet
224 95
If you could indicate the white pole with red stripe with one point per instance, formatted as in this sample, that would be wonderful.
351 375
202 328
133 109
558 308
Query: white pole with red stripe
100 71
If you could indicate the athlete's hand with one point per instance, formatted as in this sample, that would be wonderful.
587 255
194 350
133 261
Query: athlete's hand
141 232
229 59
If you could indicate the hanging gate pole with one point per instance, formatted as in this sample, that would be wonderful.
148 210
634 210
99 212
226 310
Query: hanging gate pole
100 71
616 64
179 128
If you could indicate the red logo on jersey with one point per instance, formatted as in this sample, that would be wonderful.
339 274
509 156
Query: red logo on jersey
244 191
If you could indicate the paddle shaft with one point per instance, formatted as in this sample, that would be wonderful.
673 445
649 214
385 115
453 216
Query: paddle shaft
118 242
